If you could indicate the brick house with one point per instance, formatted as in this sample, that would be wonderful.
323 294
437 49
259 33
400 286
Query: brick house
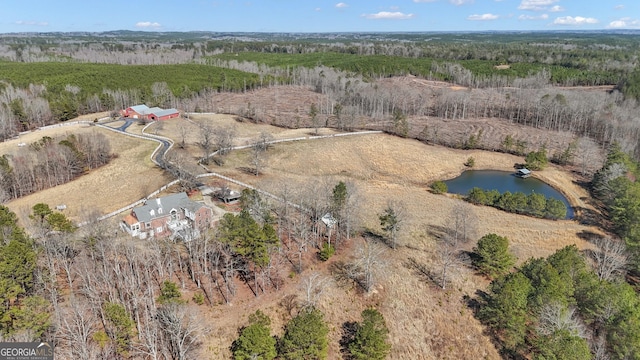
175 216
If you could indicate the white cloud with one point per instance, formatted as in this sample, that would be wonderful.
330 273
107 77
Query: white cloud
530 17
619 7
536 5
556 8
482 17
389 15
317 9
625 23
147 24
461 2
341 5
32 23
578 20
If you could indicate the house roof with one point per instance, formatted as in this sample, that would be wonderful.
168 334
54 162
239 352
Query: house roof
524 171
153 110
160 207
161 112
140 109
130 220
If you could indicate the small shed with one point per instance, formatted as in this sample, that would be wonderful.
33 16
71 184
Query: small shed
523 173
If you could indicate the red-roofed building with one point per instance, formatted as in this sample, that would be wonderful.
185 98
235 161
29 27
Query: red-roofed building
143 112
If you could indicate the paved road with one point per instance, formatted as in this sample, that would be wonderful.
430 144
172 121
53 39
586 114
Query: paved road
127 123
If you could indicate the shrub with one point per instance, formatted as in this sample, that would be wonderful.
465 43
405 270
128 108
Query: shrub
327 252
198 298
439 187
471 162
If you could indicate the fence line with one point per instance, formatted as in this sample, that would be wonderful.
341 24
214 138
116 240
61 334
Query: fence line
214 174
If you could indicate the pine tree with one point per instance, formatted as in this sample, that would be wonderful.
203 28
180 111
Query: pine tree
255 341
492 256
370 341
305 336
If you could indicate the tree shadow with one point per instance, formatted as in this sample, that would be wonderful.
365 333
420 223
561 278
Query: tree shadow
421 271
347 275
370 235
349 329
588 236
248 170
437 231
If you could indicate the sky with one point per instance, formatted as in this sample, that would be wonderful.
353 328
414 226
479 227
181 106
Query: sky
316 15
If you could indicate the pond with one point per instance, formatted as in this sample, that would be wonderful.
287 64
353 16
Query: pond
503 181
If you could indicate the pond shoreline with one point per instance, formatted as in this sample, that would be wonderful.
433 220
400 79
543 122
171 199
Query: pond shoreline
508 182
556 177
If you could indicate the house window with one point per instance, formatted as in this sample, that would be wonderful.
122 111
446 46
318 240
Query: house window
174 214
147 225
159 230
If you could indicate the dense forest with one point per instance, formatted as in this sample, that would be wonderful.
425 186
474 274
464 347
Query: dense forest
97 295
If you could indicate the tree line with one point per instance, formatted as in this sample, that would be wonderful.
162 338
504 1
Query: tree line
559 307
533 204
616 185
49 162
305 337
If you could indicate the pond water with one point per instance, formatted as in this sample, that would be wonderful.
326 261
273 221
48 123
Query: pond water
503 181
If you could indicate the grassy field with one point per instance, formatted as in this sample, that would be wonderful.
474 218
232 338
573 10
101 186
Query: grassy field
128 177
425 321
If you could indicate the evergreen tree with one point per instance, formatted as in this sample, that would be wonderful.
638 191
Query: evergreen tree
121 326
537 160
305 336
492 256
391 222
169 292
255 341
548 286
506 309
562 345
371 338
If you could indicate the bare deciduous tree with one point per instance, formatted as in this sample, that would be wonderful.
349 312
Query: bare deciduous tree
457 234
184 134
312 285
206 141
556 316
76 326
369 264
182 328
257 158
223 138
610 258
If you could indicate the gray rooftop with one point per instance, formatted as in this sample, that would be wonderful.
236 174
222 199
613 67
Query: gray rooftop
159 207
140 109
163 112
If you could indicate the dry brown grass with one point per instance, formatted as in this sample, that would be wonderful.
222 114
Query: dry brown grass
425 322
127 178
